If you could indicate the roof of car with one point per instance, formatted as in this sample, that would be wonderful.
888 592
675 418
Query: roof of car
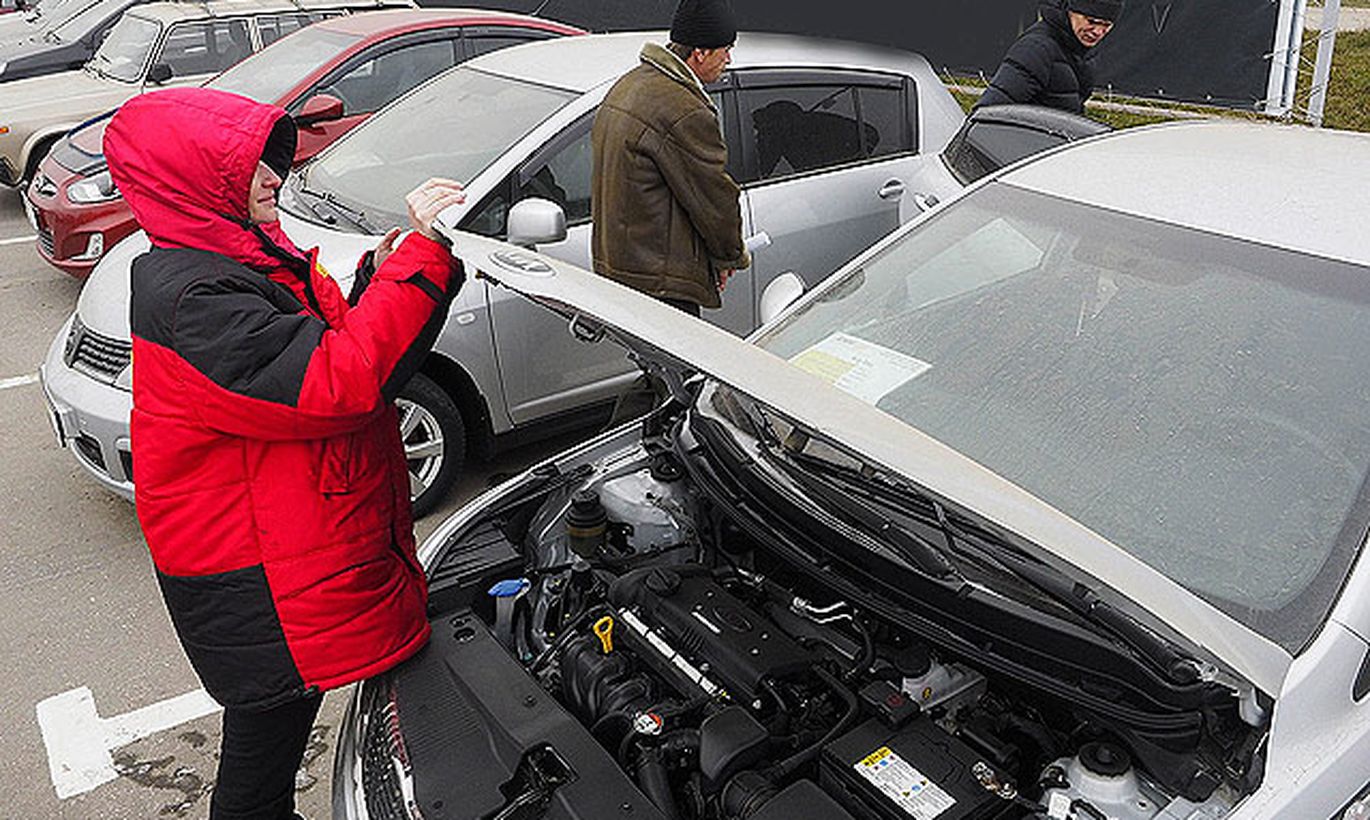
582 63
171 11
1298 188
375 22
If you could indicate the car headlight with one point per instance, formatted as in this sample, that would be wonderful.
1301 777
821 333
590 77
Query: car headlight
99 188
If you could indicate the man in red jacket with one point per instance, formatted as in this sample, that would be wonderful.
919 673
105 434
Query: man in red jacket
271 484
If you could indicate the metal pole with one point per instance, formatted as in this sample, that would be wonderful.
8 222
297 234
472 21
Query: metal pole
1322 69
1277 102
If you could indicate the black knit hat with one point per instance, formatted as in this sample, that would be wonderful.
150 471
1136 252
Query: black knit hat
1109 10
704 24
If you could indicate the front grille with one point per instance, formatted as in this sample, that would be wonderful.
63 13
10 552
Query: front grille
380 749
46 243
99 356
89 448
126 461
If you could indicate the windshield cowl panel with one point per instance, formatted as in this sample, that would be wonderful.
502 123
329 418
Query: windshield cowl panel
1191 398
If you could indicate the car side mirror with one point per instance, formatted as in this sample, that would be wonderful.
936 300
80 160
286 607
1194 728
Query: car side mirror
159 73
536 221
783 291
319 108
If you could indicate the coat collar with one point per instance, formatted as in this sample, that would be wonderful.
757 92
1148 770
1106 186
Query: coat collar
661 58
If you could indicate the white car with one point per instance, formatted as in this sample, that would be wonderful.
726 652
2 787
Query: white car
1051 505
514 126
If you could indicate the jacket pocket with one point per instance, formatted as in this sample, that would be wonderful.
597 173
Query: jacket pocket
337 464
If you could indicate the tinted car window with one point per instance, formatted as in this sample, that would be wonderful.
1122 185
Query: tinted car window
377 81
276 27
205 48
274 70
563 177
882 110
484 44
800 129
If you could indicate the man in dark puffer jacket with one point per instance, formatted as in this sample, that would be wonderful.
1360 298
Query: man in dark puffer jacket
1048 65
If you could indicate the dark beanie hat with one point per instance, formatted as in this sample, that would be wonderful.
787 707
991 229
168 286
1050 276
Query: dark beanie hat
1108 10
279 151
704 24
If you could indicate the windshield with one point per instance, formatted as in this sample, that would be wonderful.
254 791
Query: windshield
125 51
1197 400
452 127
74 19
277 68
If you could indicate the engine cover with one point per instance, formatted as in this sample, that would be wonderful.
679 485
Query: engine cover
707 623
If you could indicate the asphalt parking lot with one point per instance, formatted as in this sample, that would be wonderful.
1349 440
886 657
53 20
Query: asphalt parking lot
103 716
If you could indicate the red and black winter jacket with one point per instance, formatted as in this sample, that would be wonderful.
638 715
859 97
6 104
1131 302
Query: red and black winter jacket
271 484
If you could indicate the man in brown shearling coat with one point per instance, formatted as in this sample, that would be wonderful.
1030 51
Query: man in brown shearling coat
666 215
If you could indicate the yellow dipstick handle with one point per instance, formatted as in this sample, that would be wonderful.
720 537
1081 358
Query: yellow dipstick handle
604 630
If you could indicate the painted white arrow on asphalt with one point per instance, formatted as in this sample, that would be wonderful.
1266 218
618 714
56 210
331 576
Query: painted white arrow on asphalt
79 741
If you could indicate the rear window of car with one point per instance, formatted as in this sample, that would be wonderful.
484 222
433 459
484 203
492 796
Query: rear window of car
276 69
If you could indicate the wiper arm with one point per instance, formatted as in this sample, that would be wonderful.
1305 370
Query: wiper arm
918 551
353 215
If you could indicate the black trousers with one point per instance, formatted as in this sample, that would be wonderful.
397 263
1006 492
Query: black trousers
261 752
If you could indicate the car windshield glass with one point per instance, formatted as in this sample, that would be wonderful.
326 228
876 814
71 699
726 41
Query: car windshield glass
74 19
51 12
452 127
1197 400
276 69
124 53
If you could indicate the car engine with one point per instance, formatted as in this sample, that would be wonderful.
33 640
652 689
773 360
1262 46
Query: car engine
728 687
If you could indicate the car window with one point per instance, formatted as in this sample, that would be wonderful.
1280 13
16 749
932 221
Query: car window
274 70
988 146
76 21
366 87
274 27
486 43
886 131
1196 399
564 175
124 53
205 48
799 129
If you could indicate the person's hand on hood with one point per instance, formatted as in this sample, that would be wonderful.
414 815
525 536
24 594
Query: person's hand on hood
430 199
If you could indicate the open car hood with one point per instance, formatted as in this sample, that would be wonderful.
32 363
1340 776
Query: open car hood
674 344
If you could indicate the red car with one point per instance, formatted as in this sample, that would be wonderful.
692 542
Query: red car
329 76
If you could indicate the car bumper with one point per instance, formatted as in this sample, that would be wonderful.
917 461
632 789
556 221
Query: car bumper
90 419
73 236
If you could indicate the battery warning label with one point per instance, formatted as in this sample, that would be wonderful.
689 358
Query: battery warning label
919 797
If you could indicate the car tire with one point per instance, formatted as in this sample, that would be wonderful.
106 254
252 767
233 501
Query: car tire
434 437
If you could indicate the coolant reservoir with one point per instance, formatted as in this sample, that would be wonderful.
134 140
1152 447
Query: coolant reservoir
655 511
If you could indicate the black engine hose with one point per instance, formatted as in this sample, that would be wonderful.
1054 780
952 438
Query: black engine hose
791 764
656 783
566 635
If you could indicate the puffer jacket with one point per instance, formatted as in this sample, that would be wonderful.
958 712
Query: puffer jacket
1047 65
666 214
271 483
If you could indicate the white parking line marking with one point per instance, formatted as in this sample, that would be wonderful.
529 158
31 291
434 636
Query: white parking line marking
18 240
18 381
79 741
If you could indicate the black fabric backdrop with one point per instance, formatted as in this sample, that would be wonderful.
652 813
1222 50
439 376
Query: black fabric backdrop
1214 51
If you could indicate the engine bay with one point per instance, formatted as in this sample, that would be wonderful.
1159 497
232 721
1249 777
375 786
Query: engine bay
728 686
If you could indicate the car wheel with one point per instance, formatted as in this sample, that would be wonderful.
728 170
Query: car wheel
434 437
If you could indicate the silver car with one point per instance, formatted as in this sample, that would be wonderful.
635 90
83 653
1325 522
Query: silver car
1051 505
515 127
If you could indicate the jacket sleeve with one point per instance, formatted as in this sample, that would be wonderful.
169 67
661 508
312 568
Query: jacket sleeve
693 159
286 375
1020 77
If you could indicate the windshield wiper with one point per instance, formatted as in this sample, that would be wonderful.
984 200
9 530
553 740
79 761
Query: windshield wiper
330 199
1076 597
920 553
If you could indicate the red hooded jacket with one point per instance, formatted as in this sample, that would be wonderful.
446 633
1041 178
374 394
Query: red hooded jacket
271 483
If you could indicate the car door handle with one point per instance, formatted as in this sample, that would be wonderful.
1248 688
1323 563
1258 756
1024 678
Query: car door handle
925 202
891 190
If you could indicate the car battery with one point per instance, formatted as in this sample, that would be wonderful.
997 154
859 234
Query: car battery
918 771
